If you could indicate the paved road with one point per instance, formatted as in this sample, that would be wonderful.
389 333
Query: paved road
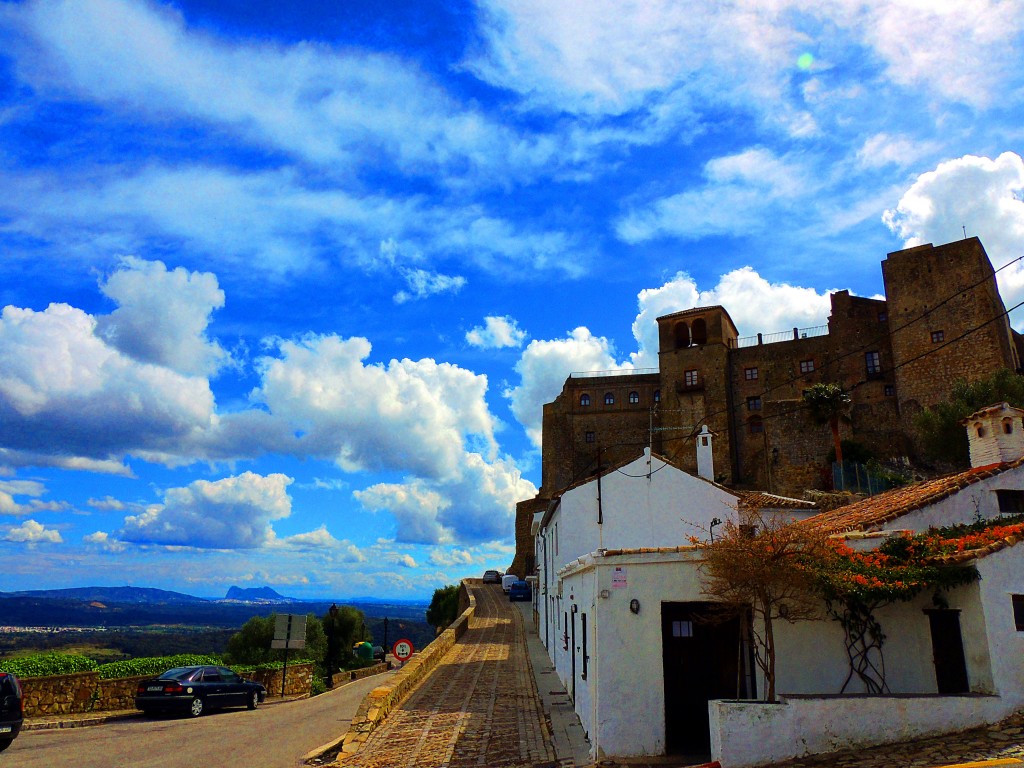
274 736
479 707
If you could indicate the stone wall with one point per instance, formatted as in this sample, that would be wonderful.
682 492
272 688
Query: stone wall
349 675
87 692
380 701
300 679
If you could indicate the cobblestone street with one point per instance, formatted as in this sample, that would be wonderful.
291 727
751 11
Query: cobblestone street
478 708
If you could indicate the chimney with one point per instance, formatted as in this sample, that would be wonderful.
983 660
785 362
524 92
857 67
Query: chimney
995 434
705 460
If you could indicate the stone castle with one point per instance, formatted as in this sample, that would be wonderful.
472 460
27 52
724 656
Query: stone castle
942 319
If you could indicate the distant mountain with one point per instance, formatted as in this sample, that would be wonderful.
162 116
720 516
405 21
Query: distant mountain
110 595
257 595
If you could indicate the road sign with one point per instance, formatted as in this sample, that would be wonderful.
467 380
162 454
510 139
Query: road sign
289 631
402 650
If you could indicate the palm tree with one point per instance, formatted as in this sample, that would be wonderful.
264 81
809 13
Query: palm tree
829 403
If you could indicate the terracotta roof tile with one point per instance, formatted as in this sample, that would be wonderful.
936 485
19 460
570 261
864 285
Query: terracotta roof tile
976 554
874 512
761 500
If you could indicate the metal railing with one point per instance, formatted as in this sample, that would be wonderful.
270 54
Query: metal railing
772 338
614 372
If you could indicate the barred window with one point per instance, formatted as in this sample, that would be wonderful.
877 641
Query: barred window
873 363
750 374
690 378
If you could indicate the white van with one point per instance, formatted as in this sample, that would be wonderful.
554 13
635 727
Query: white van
507 581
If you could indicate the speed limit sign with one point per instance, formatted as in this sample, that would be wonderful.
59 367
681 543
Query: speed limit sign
402 650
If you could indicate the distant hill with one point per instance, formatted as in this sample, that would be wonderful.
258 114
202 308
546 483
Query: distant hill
257 595
139 595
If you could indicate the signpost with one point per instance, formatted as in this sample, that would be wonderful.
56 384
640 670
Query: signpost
403 650
289 632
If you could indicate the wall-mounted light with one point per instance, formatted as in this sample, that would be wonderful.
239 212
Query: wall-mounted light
711 527
634 606
606 593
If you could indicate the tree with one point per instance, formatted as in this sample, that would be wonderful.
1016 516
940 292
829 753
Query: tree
343 627
829 403
444 607
251 644
942 436
762 566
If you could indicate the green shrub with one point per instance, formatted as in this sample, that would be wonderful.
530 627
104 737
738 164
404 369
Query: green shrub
318 686
43 664
153 665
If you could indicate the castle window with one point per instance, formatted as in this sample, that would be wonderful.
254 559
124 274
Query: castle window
750 374
591 437
609 398
754 403
806 366
890 390
690 378
873 364
634 398
657 395
938 336
1010 502
584 400
700 331
682 334
756 425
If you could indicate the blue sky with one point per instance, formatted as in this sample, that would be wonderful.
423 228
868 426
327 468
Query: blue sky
284 285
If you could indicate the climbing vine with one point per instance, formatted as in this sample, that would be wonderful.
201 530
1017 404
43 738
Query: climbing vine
855 585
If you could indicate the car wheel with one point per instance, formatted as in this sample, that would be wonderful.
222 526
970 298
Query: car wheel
197 707
5 743
254 700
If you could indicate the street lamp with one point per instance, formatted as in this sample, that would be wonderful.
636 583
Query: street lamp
332 641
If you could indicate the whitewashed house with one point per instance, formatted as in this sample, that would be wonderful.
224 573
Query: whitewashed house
620 609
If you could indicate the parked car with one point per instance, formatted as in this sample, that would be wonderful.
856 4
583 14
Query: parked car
379 654
492 577
194 690
520 590
12 709
508 580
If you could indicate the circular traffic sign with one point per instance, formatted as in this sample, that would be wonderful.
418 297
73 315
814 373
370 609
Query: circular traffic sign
402 650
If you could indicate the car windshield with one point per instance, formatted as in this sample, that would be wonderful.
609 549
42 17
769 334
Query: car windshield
178 673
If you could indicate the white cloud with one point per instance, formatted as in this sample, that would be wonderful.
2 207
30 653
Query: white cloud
404 560
232 513
884 149
421 284
107 503
332 106
104 541
162 316
31 532
451 558
607 57
544 366
410 415
985 196
738 192
415 507
496 333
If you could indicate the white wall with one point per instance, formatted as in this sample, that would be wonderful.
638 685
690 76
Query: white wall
1002 575
974 501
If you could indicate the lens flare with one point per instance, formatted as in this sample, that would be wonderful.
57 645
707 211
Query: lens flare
805 61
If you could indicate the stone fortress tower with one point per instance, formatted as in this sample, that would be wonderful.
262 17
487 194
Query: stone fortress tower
942 320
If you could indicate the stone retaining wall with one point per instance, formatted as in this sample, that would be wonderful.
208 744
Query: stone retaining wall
348 675
380 701
87 692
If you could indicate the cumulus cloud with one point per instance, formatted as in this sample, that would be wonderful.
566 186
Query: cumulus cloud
9 489
162 316
452 557
496 333
31 532
104 541
66 392
232 513
415 507
421 283
544 366
986 196
403 559
410 415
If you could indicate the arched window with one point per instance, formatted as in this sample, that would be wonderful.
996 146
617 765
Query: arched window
657 395
609 398
979 430
700 331
1008 425
682 331
584 399
634 398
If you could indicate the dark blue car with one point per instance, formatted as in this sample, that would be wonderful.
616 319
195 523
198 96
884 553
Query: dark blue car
11 709
520 590
194 690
